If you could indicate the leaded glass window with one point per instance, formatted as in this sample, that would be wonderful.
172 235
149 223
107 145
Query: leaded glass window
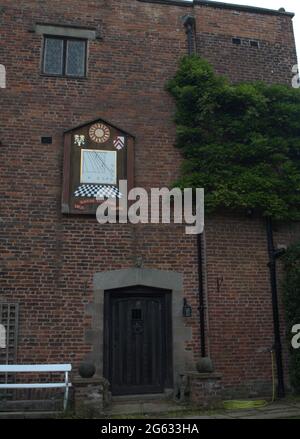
53 56
75 58
64 57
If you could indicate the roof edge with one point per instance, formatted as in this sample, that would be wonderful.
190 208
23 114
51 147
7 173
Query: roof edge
221 5
246 8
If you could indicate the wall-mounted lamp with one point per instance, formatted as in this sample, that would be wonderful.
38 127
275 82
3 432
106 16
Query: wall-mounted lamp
187 309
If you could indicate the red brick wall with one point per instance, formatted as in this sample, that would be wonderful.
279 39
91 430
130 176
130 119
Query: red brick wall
49 259
272 62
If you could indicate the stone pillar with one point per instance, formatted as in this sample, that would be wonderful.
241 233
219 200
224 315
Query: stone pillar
90 395
205 389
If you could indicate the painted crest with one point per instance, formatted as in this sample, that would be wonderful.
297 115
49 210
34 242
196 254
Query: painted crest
119 142
79 139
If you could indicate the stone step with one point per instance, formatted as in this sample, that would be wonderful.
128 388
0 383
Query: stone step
143 404
167 396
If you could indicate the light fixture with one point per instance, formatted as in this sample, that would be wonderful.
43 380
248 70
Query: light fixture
187 309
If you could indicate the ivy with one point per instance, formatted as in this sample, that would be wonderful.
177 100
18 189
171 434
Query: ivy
291 290
241 143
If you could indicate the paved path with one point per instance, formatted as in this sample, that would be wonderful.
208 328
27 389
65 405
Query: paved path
277 410
282 409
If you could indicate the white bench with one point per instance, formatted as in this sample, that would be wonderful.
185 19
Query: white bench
41 368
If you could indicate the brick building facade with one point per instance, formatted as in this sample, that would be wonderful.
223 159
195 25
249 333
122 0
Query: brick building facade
59 267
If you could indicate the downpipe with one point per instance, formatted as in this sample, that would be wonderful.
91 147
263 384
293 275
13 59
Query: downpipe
273 255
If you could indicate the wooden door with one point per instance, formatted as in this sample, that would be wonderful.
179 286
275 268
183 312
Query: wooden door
138 340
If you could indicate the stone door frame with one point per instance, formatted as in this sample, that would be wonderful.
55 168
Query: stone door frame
169 280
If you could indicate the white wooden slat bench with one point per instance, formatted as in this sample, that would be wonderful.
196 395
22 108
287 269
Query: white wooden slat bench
39 368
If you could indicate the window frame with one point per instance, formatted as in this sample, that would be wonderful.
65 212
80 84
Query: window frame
65 40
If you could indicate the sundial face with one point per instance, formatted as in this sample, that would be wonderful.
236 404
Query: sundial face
98 167
99 133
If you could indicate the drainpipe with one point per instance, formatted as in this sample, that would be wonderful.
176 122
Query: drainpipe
189 24
273 255
190 27
201 296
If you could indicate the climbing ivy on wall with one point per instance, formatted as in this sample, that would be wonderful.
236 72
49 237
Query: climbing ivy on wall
241 143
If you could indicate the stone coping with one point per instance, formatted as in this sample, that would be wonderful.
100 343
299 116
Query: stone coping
78 381
205 376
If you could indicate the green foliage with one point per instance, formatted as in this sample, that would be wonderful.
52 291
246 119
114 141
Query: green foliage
241 143
292 307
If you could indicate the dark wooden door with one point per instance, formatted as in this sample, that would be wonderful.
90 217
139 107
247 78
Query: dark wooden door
138 336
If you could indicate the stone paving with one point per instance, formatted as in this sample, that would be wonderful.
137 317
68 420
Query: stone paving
287 409
167 410
276 410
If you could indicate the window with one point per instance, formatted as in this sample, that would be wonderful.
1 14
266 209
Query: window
64 57
252 43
